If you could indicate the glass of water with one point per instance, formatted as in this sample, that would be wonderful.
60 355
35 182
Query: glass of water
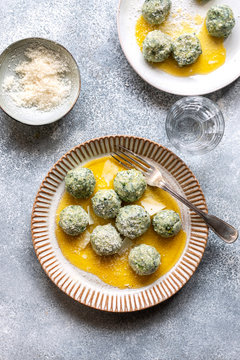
195 125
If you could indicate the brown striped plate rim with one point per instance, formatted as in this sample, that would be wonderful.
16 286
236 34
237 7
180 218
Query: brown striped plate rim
96 294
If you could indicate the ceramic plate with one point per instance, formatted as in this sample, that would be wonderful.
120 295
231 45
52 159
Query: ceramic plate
128 13
87 288
15 54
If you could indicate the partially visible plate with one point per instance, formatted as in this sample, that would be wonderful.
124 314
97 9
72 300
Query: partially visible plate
87 288
128 13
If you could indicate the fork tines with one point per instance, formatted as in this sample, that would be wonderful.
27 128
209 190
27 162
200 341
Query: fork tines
128 159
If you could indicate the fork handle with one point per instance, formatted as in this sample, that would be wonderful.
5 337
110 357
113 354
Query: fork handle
225 231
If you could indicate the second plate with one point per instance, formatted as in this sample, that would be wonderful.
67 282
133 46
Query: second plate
129 12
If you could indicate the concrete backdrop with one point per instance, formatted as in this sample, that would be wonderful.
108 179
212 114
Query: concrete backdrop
38 321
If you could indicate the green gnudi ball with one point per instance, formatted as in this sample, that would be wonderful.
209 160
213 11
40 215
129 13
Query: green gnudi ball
167 223
186 49
144 259
130 185
220 21
132 221
106 204
157 46
73 220
80 182
156 11
105 240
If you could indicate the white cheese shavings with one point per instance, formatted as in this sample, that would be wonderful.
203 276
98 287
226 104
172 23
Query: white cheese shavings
90 218
83 241
152 206
126 245
109 171
212 62
39 82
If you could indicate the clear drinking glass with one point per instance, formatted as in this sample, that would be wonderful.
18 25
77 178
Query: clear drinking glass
195 125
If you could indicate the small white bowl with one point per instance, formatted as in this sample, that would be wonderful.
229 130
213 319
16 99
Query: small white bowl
11 57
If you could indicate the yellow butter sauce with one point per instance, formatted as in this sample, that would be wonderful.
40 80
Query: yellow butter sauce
213 51
115 270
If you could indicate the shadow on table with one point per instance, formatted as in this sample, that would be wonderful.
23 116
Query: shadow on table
123 321
102 319
162 313
155 97
166 311
25 136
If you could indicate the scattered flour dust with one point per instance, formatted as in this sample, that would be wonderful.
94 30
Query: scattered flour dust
40 81
190 12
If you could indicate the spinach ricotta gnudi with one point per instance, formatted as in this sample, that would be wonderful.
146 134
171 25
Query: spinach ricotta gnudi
106 204
80 182
186 49
73 220
130 185
167 223
220 21
144 259
105 240
132 221
157 46
156 11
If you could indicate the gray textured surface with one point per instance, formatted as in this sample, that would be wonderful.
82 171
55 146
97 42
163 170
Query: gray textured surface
201 322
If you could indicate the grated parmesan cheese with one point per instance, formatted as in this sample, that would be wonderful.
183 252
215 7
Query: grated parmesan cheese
8 83
40 81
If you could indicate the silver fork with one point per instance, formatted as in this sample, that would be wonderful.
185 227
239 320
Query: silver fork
129 159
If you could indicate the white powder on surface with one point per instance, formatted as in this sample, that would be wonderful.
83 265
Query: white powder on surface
41 81
182 11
